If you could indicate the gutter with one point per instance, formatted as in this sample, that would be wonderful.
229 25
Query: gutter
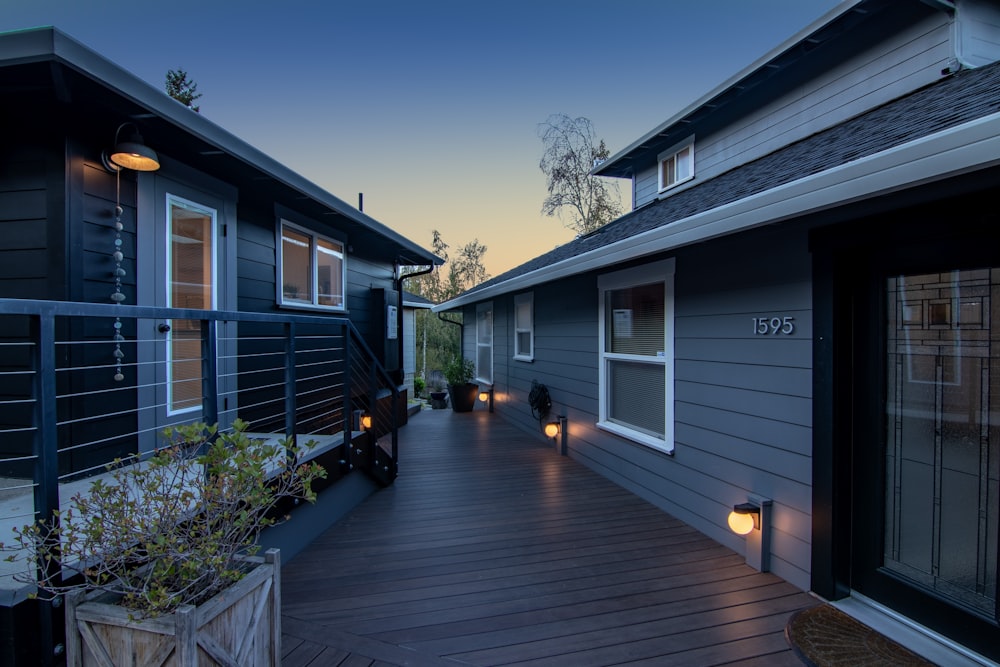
958 150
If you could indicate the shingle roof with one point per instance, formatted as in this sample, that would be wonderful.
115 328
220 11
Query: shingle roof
951 101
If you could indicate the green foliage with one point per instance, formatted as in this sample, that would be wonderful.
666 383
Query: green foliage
571 150
438 341
419 386
181 89
459 371
170 530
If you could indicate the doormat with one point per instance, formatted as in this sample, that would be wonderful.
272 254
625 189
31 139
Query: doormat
824 636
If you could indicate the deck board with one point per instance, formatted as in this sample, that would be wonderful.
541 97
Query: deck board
491 549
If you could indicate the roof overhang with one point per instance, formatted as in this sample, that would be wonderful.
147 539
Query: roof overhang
954 152
189 135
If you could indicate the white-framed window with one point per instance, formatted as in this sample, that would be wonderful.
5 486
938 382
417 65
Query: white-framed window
636 373
484 342
311 268
524 326
676 165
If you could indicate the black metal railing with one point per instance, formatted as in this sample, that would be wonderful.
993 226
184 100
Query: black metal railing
73 397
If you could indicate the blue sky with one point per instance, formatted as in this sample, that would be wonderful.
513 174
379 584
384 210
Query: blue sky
431 108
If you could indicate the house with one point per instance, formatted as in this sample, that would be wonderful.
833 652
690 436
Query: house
154 270
797 317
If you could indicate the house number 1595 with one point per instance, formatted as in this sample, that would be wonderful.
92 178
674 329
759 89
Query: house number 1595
764 326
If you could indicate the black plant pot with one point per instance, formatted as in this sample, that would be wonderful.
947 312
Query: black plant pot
439 400
463 396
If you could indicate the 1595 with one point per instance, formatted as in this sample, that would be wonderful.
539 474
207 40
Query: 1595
773 326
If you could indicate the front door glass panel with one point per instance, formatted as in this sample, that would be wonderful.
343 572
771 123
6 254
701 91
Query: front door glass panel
942 458
190 284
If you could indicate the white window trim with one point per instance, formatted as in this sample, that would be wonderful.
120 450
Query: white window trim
529 298
672 152
485 306
640 275
301 304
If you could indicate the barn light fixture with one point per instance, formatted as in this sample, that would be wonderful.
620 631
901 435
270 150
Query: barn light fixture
130 153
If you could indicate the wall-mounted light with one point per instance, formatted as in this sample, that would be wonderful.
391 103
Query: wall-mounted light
486 396
362 420
130 153
753 519
744 518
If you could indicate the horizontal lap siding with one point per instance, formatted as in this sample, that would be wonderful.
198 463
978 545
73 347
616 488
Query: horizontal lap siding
866 78
743 403
24 226
565 349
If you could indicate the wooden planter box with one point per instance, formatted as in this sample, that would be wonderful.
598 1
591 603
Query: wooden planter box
239 627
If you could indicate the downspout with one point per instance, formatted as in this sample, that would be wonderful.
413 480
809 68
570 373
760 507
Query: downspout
461 333
399 321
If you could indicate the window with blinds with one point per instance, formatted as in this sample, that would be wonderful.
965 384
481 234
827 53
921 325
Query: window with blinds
636 374
484 342
524 329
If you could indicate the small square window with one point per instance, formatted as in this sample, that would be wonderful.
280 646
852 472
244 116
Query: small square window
676 166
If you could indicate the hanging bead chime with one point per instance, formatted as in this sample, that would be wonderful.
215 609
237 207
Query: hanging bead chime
118 296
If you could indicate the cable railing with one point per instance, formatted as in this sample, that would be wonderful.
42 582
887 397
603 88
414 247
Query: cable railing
73 398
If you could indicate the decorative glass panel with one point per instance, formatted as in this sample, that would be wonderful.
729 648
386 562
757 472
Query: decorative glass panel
943 442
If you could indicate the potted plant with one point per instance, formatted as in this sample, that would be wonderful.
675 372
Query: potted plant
459 374
438 394
157 558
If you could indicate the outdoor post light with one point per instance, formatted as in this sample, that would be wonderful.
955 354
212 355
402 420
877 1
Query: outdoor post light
753 519
486 395
558 428
366 421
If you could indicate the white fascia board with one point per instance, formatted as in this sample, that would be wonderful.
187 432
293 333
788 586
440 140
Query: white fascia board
962 149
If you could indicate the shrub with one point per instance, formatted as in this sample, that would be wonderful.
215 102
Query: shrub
170 530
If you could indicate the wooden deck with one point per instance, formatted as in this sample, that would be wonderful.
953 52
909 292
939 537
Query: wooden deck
491 549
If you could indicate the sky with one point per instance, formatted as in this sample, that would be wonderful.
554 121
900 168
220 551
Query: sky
431 108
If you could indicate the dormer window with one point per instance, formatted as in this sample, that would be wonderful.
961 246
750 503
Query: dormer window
676 165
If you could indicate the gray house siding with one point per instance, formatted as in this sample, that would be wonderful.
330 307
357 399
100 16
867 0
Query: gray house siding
742 401
889 68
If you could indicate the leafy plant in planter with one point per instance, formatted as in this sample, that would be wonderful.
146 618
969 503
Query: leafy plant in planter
459 374
162 535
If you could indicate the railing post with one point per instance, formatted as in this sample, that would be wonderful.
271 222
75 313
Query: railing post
395 432
348 422
46 444
291 406
209 372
